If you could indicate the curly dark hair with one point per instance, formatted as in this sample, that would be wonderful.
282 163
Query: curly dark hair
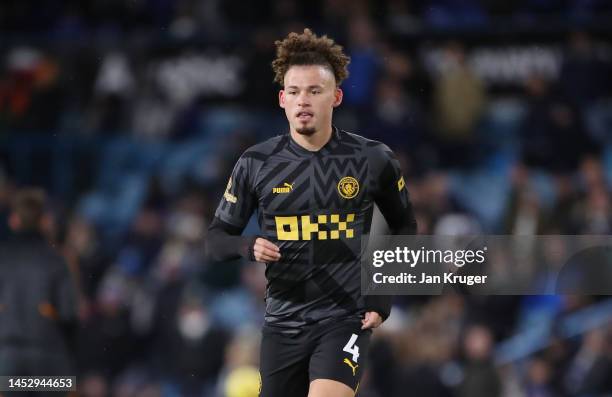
308 49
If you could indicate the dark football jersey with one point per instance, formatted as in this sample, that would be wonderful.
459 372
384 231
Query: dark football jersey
315 206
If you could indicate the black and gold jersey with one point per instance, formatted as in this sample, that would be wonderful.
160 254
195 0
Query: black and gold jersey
316 206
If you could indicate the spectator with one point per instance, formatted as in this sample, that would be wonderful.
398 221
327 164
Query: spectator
37 297
188 347
459 102
552 137
365 66
584 77
539 379
480 377
524 214
106 339
589 371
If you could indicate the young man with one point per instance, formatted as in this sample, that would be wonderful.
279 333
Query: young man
314 189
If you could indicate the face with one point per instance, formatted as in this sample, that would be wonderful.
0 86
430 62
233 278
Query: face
309 97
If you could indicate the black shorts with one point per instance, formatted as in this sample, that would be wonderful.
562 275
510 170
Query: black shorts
336 350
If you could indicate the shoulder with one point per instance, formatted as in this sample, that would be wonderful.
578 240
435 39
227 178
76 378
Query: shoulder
376 151
263 150
254 158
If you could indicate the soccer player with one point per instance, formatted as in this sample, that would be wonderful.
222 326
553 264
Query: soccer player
314 189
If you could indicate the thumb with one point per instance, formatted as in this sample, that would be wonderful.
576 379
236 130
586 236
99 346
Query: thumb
366 322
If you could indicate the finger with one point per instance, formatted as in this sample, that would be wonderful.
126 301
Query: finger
267 252
271 246
374 315
271 253
367 321
367 325
267 255
260 249
267 258
371 320
266 244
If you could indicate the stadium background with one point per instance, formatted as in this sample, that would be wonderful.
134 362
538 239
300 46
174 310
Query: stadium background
131 114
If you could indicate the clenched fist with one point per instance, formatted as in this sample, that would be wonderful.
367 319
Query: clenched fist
265 251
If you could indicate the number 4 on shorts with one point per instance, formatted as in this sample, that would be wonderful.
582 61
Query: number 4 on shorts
352 348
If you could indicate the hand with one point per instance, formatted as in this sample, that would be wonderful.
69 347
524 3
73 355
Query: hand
265 251
371 320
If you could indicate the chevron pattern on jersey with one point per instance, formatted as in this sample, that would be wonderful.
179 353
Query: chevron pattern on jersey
329 171
295 174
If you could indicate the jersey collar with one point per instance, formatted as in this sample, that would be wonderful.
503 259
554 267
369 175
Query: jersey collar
333 142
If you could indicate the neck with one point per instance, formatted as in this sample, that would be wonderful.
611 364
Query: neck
315 141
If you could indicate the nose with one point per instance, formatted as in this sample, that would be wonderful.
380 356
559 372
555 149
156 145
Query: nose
303 100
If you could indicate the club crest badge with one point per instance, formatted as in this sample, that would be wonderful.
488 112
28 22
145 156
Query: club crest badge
348 187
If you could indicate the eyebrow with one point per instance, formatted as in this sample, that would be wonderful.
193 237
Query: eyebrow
309 87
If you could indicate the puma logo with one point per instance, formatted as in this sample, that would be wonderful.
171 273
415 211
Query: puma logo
287 188
350 364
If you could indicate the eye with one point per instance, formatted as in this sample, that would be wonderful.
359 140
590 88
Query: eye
292 92
315 92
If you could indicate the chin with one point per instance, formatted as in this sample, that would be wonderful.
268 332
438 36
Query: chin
306 130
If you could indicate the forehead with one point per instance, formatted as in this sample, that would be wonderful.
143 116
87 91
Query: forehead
309 75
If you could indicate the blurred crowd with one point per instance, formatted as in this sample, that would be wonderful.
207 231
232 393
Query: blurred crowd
212 17
135 160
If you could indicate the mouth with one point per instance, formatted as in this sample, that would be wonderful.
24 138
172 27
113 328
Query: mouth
304 116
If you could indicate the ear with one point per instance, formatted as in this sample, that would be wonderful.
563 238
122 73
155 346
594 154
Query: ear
338 95
281 98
